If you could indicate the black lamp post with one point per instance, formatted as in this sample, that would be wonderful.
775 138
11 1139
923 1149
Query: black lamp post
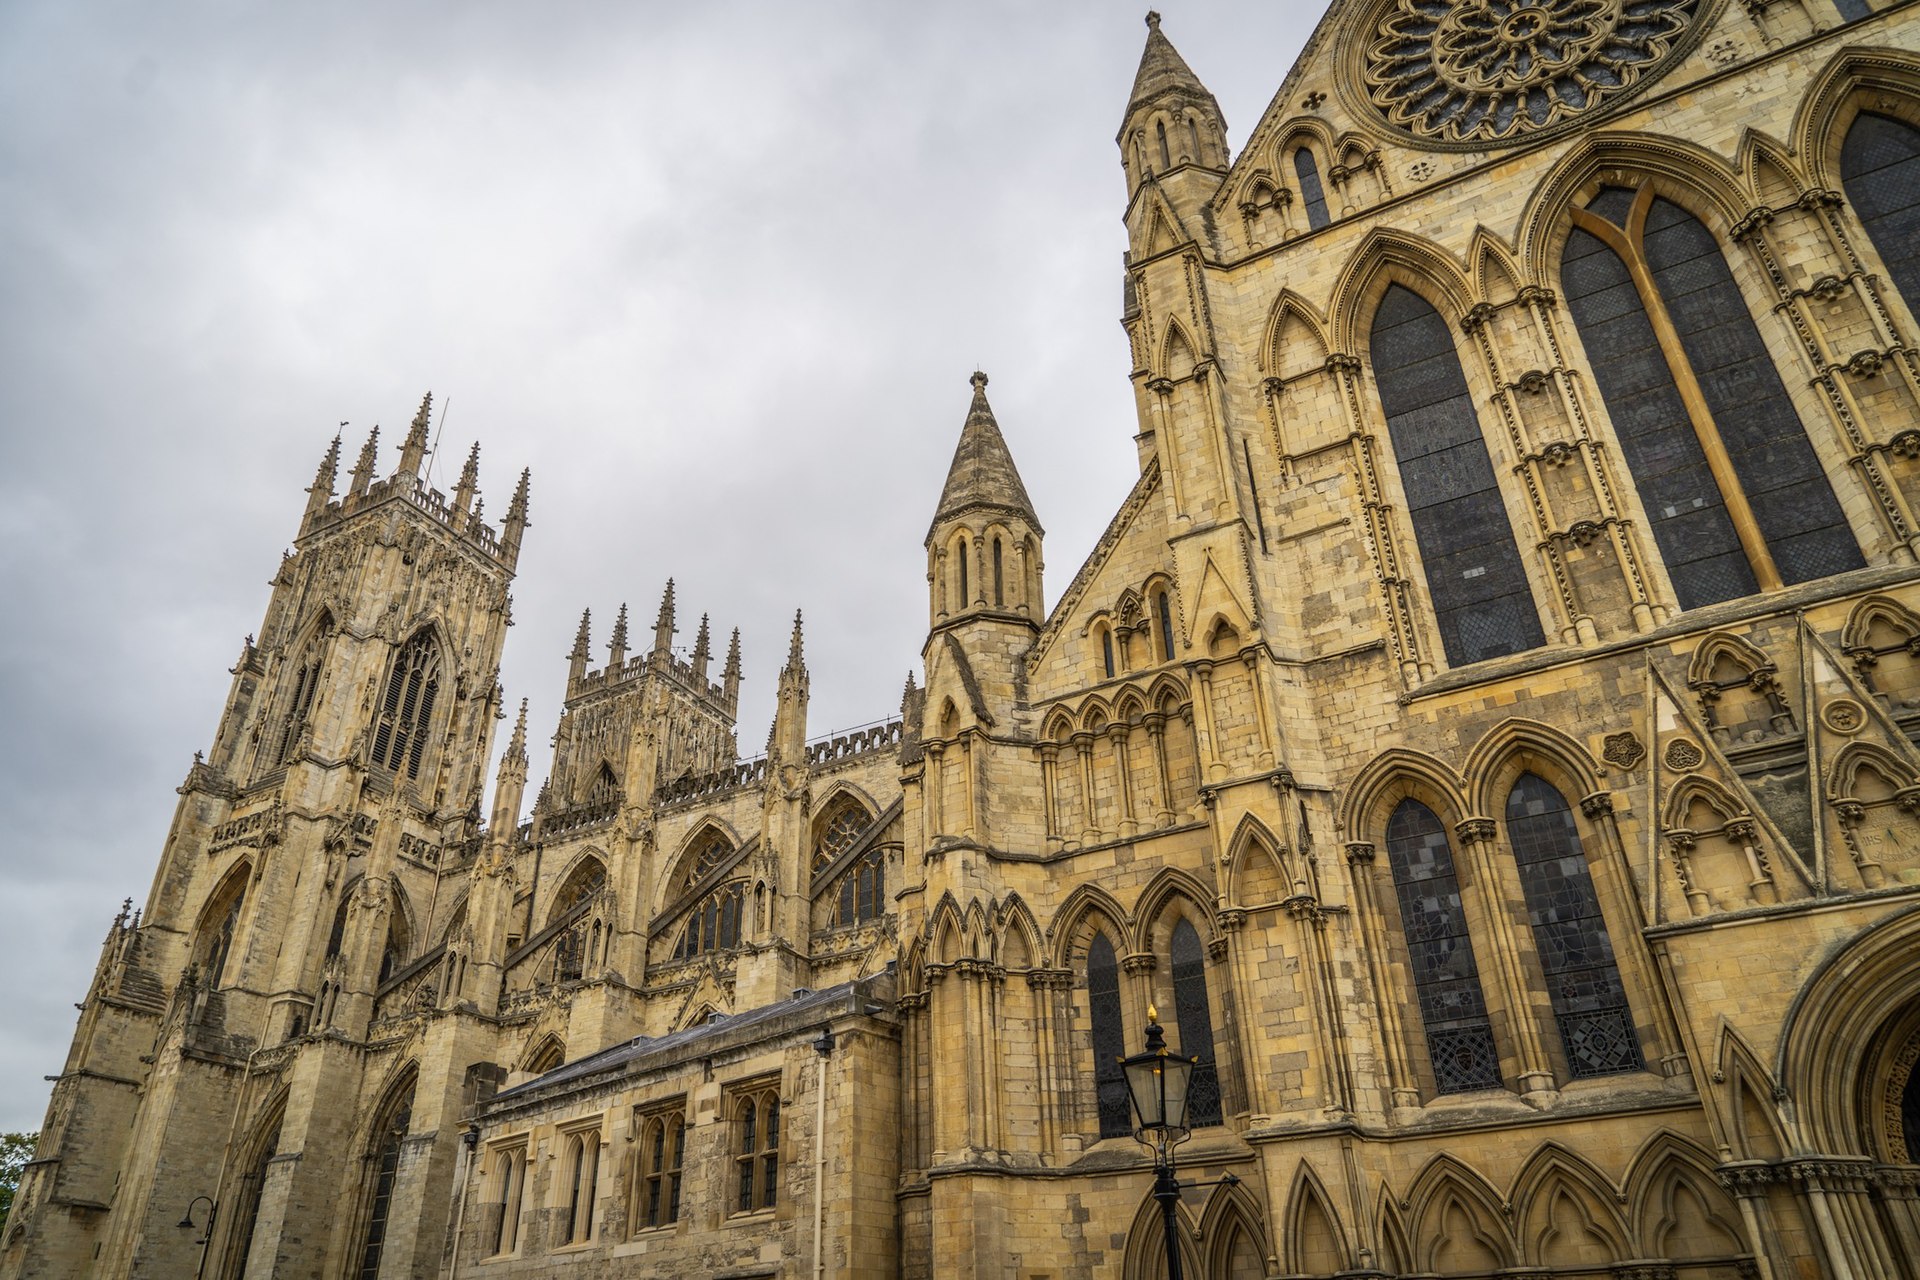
187 1224
1157 1085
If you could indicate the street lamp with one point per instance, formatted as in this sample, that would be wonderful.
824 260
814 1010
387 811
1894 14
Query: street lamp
1157 1085
187 1224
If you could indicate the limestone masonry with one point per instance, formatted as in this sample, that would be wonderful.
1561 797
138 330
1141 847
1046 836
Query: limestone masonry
1489 734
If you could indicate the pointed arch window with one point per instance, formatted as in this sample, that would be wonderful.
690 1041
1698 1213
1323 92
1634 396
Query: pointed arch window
999 576
1576 955
583 1185
714 850
1165 611
1109 1044
251 1184
405 716
840 833
222 920
1853 10
1736 497
1106 651
757 1150
1475 579
863 891
661 1155
714 924
306 678
1312 194
1880 171
1194 1016
383 1170
966 595
1445 977
509 1184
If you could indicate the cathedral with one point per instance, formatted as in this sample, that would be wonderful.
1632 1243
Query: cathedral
1486 736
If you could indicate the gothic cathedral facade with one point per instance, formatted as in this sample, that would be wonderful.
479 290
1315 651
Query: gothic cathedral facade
1487 735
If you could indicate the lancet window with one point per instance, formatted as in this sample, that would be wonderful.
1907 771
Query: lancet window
1193 1014
583 1185
306 678
509 1184
1109 1038
1576 955
1475 579
405 717
382 1170
1880 170
1312 194
1736 497
1445 977
714 924
999 576
1165 612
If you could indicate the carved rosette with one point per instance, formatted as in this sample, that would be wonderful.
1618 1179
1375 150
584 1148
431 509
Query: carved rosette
1475 73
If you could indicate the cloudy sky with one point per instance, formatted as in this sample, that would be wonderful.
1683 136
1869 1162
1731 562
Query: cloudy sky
717 272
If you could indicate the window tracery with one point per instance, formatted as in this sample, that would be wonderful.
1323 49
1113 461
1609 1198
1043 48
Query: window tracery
306 678
714 924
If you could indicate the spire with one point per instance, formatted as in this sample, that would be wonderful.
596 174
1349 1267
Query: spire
730 676
982 473
787 741
617 647
1163 71
516 523
362 474
320 492
702 651
517 745
469 481
796 647
414 451
663 624
577 658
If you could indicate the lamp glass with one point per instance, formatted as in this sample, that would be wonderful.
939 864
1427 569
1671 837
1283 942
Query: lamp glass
1144 1083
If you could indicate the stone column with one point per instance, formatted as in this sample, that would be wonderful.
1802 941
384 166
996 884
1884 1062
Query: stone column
1157 735
1479 841
1118 734
1211 766
1090 827
1401 1080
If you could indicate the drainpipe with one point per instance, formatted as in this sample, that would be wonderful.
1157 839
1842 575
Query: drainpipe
824 1047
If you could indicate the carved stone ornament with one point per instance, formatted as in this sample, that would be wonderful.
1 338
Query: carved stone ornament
1480 72
1682 754
1623 750
1843 715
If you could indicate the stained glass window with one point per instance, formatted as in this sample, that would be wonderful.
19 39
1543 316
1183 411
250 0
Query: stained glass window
1474 576
1880 169
846 826
1109 1045
1576 955
1446 980
1194 1016
713 851
1311 193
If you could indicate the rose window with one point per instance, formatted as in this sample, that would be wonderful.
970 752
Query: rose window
1474 72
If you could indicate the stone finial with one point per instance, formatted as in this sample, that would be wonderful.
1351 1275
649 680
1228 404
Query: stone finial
469 480
663 627
702 649
320 492
730 675
517 745
617 647
796 647
516 523
582 638
414 451
362 473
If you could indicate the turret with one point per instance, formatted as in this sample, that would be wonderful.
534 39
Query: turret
577 657
617 646
320 492
983 548
414 451
1173 133
663 624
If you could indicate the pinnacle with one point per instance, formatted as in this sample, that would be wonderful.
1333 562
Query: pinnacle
619 642
517 748
363 469
582 638
329 468
1163 70
796 658
470 474
702 644
663 627
982 473
733 656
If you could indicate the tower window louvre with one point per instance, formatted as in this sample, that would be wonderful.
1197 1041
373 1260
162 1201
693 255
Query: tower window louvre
406 710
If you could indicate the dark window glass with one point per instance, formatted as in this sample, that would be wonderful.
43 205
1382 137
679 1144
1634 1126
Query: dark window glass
1106 652
1166 629
1853 10
1195 1018
1910 1116
1576 955
386 1168
1791 499
1474 576
1445 977
1662 451
966 596
999 577
1311 193
1880 169
1103 1010
714 924
406 711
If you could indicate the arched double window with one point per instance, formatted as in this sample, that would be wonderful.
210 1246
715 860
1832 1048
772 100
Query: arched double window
1312 195
715 923
1880 170
582 1186
1736 497
662 1143
1109 1039
863 890
1446 979
383 1169
1569 933
502 1227
757 1150
1475 578
404 719
1193 1014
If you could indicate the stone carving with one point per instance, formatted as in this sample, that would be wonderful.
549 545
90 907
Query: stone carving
1623 750
1843 715
1491 71
1682 754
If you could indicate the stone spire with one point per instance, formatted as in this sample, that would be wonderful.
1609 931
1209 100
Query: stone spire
1164 73
469 482
663 623
414 451
730 675
982 474
617 647
577 659
320 492
362 473
1171 121
510 783
516 524
788 741
702 652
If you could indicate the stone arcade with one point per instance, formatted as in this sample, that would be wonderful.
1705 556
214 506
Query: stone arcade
1487 731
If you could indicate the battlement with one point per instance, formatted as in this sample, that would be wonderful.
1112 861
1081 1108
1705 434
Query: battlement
637 668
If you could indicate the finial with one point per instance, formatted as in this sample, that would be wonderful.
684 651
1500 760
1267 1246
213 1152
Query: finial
329 468
414 451
795 646
362 474
471 472
1153 24
663 622
702 649
617 647
733 653
978 379
581 638
518 746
